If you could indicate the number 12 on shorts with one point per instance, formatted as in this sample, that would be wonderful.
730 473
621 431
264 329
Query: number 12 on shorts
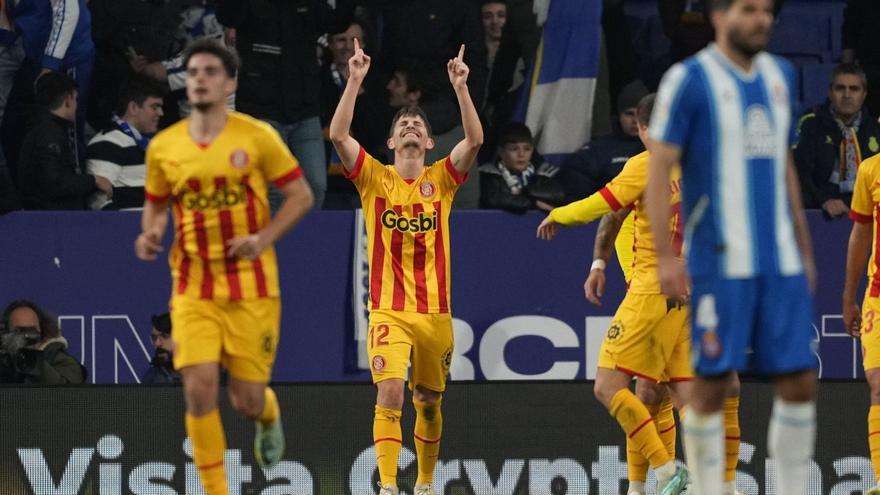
378 335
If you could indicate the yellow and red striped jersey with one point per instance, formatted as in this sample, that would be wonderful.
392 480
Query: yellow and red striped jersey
219 192
407 233
865 208
626 190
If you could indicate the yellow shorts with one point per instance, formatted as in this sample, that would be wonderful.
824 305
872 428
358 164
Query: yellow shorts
870 333
398 339
240 335
649 338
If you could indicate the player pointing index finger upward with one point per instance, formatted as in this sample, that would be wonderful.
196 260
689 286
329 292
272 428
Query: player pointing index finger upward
406 210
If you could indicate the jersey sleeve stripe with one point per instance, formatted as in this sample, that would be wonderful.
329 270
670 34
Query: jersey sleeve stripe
207 288
377 262
440 260
457 177
185 262
358 165
610 199
293 175
859 217
399 301
419 255
227 233
253 227
155 198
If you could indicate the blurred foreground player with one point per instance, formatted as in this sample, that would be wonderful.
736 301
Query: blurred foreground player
726 116
214 167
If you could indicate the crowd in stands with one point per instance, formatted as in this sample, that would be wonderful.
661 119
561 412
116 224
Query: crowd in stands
84 84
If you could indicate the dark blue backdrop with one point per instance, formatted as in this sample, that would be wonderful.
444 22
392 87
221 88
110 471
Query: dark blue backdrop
519 301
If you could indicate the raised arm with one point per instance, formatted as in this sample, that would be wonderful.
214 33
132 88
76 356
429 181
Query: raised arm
663 157
340 126
465 152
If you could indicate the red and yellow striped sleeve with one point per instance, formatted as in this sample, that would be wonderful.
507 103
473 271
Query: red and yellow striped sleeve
278 164
621 192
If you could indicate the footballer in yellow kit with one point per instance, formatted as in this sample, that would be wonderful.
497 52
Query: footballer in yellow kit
863 322
406 211
213 170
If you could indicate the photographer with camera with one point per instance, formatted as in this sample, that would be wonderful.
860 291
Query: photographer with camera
32 349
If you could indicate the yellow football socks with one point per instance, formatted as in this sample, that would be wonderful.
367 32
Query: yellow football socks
874 437
665 421
270 409
209 446
636 421
428 430
731 437
387 439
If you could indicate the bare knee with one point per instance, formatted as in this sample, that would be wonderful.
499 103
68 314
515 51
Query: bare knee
650 393
200 388
608 384
389 394
797 387
247 402
426 396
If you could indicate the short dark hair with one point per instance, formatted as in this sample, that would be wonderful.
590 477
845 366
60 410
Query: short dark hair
161 322
415 75
228 56
645 108
488 2
410 111
48 325
849 68
515 132
52 88
137 90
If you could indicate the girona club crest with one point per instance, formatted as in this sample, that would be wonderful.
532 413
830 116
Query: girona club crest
239 159
427 189
378 363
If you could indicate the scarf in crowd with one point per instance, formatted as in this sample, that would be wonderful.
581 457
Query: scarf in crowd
516 182
141 140
850 154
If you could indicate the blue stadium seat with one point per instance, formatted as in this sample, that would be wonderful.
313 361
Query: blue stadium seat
801 37
815 79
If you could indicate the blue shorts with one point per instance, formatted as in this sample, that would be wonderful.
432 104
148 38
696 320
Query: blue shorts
762 324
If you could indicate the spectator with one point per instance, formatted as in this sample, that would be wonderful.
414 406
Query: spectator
589 169
279 81
118 153
33 348
161 370
56 37
370 108
513 182
494 15
859 33
834 138
197 21
51 177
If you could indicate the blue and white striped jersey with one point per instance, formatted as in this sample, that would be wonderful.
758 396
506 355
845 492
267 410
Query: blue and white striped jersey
735 130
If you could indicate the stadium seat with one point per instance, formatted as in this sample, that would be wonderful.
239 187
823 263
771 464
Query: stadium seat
802 38
815 79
